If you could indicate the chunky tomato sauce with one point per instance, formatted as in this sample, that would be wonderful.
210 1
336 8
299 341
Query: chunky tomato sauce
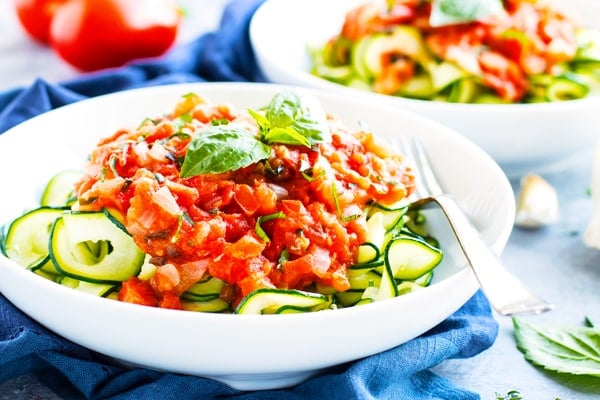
207 224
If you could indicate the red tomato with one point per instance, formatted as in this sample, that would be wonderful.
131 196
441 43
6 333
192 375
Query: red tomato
138 292
503 75
96 34
171 301
36 15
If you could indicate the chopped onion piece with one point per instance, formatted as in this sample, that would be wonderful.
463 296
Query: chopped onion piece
165 200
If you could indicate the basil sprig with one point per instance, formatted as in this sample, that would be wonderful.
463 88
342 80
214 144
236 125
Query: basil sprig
450 12
292 118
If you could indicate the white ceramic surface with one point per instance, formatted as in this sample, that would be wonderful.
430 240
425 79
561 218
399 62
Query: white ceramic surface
522 138
246 352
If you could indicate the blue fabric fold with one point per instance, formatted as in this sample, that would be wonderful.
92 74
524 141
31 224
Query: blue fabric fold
74 372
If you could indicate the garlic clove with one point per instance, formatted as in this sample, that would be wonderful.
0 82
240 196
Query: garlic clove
537 203
591 238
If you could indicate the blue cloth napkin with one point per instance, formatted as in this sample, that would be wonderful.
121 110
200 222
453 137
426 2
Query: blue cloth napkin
75 372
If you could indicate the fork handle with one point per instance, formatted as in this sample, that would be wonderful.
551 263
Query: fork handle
506 293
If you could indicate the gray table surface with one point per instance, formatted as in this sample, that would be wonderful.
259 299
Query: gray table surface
553 261
556 265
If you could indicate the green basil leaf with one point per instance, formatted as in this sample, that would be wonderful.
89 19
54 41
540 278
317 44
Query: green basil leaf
287 136
299 111
450 12
566 350
261 120
222 148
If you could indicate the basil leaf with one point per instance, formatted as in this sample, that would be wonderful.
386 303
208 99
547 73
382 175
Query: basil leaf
567 350
222 148
450 12
288 136
299 111
261 120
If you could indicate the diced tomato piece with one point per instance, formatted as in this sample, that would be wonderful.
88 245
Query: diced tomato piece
371 17
248 246
253 282
266 199
337 279
138 292
245 197
205 112
299 273
395 73
170 300
503 75
161 131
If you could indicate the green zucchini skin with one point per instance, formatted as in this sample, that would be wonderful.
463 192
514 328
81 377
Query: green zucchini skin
88 246
399 257
410 258
26 238
95 289
59 191
271 300
205 290
214 305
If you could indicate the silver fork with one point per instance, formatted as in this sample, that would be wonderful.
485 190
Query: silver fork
505 292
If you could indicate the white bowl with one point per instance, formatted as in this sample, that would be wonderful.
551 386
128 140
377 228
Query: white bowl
522 138
244 351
